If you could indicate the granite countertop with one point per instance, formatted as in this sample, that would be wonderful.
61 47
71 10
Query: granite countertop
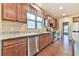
17 35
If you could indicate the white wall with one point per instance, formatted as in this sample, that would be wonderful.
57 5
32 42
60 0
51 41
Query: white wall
69 19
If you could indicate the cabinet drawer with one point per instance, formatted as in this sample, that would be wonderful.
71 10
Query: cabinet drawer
13 41
21 40
9 42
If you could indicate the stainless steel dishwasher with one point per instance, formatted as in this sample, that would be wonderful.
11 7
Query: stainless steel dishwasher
33 45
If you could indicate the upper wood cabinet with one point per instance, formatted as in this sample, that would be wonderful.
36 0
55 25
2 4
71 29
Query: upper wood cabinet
75 19
18 11
53 22
15 12
32 9
40 14
22 12
56 23
9 11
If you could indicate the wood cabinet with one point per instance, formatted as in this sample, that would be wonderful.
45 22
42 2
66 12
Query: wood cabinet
53 22
56 24
9 11
9 51
75 19
15 11
44 40
32 9
15 47
39 13
22 12
23 48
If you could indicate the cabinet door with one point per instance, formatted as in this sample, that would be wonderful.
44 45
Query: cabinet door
22 46
10 51
9 11
45 39
42 41
15 50
22 49
22 12
49 39
39 13
75 19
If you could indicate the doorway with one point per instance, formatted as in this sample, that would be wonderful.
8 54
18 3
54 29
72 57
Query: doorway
65 28
65 34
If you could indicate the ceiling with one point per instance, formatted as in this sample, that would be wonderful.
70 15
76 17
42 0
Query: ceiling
53 9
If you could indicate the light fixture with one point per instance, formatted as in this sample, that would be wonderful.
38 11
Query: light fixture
64 14
39 4
48 17
61 7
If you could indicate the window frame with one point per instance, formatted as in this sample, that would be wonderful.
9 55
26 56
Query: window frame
29 27
39 22
31 20
46 22
42 22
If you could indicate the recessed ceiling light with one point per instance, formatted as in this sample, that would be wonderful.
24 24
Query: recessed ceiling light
61 7
39 4
64 14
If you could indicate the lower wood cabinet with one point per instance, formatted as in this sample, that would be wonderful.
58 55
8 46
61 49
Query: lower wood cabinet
17 48
22 49
44 40
8 51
